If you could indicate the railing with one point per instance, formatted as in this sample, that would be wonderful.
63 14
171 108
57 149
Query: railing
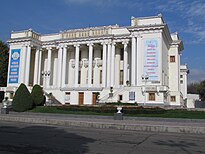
106 97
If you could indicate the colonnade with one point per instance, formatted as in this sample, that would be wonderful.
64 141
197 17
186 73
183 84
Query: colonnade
108 63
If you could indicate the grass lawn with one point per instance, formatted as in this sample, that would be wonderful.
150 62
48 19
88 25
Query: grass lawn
177 113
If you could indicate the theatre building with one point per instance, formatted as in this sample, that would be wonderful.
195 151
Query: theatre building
139 63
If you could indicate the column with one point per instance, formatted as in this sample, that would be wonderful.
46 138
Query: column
133 61
90 65
39 67
59 66
64 66
49 66
28 61
23 64
113 65
108 64
104 73
125 60
35 80
77 50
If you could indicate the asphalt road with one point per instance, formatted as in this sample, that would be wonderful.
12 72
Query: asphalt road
20 138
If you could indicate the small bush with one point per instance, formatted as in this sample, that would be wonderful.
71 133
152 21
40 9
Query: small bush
37 95
22 100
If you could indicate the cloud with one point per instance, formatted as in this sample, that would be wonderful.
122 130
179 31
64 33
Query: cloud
192 14
196 75
188 15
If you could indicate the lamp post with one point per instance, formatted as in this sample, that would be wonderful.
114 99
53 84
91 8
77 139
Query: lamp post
145 78
45 76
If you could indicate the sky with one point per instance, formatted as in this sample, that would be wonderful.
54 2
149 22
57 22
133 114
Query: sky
187 17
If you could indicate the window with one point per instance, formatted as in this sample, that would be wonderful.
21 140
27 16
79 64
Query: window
80 56
151 96
100 76
101 54
121 77
120 97
173 98
92 77
79 77
122 54
181 76
181 81
172 59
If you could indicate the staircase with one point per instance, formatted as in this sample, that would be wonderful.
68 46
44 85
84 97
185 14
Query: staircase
51 98
105 98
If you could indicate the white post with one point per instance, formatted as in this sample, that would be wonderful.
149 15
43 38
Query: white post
113 65
104 65
108 64
35 80
77 51
28 58
125 63
64 66
59 66
133 61
90 65
49 66
39 67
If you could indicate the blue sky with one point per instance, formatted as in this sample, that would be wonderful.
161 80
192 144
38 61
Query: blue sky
187 17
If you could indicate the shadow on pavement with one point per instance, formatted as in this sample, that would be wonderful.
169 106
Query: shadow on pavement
182 145
40 140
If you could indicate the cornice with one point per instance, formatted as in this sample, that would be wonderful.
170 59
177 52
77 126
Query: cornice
146 27
25 40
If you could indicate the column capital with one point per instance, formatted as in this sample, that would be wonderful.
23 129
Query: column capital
125 42
48 47
76 45
104 43
113 43
59 46
90 44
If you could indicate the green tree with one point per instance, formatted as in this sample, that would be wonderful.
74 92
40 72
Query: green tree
201 90
192 88
37 95
22 100
4 58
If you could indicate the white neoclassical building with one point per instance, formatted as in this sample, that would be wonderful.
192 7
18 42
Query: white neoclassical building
140 63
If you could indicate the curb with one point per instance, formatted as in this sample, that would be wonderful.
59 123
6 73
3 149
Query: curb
113 125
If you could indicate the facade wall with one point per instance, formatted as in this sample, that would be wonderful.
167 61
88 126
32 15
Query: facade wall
76 64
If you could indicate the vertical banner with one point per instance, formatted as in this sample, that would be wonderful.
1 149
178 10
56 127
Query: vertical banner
14 66
151 59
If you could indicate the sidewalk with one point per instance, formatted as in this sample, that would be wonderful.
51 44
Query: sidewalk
107 122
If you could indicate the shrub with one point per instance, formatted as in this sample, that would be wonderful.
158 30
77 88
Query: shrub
37 95
22 100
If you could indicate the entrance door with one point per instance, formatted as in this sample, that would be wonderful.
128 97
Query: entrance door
94 98
81 98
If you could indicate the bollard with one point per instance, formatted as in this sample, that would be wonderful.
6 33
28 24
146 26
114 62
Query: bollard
119 114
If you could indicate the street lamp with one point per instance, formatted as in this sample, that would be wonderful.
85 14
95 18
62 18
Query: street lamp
145 78
45 76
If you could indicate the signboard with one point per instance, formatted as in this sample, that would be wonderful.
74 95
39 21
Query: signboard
151 59
131 95
14 66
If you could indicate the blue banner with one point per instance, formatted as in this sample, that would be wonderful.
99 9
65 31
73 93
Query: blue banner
14 66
